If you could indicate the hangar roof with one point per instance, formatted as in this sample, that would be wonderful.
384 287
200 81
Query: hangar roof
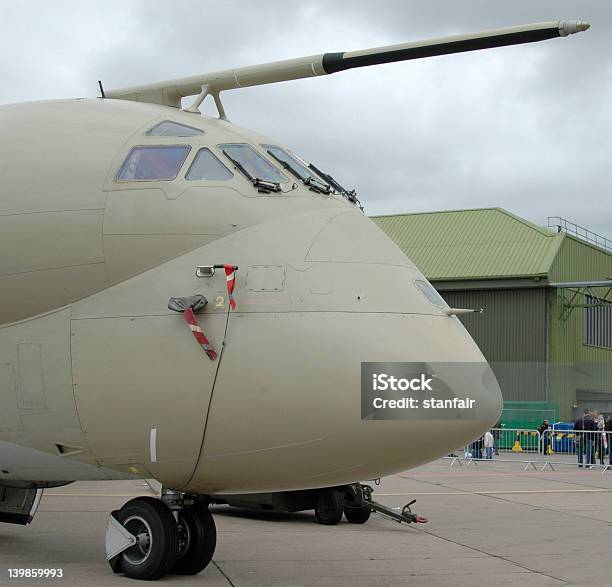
490 243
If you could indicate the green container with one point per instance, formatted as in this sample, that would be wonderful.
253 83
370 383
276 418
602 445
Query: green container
528 414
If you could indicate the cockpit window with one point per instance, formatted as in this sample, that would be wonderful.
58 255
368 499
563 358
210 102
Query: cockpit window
153 162
430 293
297 167
167 128
206 166
252 162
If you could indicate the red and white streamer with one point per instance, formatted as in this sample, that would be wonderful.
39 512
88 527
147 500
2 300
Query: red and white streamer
230 276
192 323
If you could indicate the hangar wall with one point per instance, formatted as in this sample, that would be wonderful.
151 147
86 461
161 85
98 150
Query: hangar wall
580 374
512 335
493 259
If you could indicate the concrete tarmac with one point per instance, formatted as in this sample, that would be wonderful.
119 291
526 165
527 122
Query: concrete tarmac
490 524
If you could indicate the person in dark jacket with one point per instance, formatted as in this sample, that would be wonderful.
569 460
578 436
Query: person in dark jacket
599 437
544 440
608 431
497 432
585 426
476 448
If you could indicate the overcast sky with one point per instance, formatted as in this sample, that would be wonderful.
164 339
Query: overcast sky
527 128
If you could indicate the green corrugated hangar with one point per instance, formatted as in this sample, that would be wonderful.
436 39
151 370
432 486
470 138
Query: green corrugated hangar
547 321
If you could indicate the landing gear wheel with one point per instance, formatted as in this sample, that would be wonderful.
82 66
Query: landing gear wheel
197 540
357 515
329 508
156 532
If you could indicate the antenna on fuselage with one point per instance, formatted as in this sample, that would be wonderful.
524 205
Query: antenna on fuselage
170 93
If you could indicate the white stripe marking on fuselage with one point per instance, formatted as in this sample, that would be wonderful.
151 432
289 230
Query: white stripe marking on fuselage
153 445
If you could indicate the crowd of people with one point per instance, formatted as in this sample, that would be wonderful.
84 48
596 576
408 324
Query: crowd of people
593 438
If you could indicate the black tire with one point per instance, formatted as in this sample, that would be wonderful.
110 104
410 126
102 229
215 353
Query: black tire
357 515
329 508
147 516
198 539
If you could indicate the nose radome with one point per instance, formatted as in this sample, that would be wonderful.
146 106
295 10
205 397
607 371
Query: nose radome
353 238
410 437
492 401
433 338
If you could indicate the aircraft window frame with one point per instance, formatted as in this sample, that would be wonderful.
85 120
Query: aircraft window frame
186 148
230 149
214 158
190 131
297 167
431 293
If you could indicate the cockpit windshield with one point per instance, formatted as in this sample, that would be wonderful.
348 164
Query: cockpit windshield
250 161
298 168
350 195
310 175
153 162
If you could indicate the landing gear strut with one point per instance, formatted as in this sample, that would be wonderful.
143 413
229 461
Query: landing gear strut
149 537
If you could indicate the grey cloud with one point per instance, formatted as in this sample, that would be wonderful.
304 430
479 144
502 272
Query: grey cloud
526 128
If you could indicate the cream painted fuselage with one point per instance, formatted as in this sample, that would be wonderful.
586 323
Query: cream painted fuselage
99 380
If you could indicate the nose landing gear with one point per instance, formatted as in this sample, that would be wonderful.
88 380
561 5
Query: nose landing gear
148 537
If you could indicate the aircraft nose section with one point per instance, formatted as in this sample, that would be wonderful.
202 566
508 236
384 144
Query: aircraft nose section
349 301
431 393
406 328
